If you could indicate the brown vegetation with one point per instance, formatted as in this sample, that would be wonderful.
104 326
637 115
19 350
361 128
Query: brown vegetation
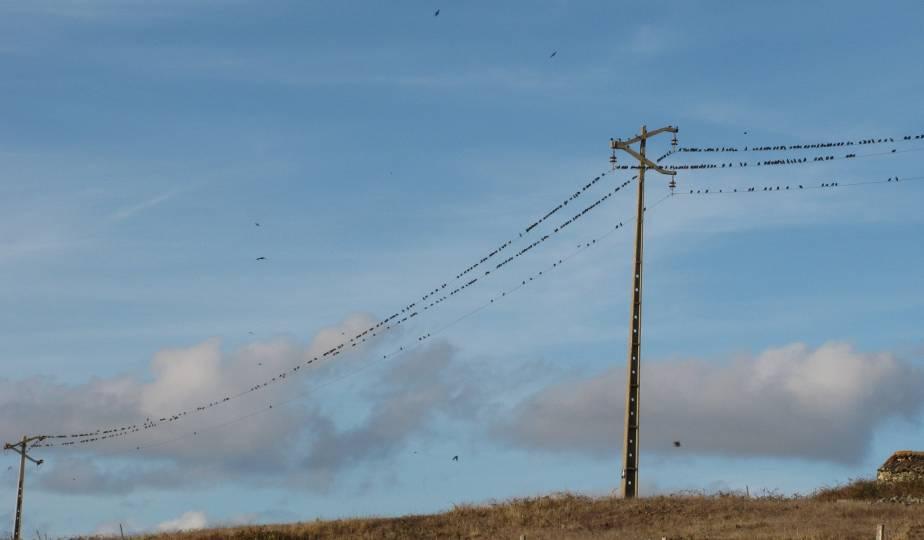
825 515
872 490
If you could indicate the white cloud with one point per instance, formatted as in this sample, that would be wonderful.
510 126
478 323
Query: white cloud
189 521
792 401
311 445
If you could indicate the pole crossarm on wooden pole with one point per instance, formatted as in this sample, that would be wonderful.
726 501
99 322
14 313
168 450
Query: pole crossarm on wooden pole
633 371
22 448
648 163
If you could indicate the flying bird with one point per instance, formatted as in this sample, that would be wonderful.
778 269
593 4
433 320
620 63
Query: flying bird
436 13
676 444
455 458
261 258
257 223
553 54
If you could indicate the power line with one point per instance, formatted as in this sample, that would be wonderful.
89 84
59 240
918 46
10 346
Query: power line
789 147
776 162
792 188
497 298
360 337
120 431
111 433
401 350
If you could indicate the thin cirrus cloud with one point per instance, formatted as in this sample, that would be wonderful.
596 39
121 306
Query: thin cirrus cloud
788 402
129 211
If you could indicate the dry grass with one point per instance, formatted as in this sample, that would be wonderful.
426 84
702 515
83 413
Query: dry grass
870 490
567 516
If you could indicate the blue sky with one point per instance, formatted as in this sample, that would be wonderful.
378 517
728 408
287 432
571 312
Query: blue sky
383 150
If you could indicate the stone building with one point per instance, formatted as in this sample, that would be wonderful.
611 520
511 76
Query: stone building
902 466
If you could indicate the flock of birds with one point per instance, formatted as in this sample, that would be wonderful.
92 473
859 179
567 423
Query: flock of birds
455 458
408 310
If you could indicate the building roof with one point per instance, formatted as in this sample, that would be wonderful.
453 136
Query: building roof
904 461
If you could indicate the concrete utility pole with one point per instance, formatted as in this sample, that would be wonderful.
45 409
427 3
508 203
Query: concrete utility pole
21 448
630 441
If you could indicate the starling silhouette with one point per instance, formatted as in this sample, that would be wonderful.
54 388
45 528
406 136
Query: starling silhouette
256 223
677 443
261 258
553 54
455 458
436 13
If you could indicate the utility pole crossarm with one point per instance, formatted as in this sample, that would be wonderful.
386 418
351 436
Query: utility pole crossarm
25 440
652 133
21 448
648 163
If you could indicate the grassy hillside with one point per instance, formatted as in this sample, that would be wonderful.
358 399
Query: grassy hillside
825 515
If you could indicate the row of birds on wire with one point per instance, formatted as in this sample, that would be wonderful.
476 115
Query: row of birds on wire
440 290
389 323
798 187
112 433
789 147
384 325
767 162
531 226
535 276
404 349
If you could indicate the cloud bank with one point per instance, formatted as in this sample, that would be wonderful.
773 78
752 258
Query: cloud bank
795 401
309 447
787 402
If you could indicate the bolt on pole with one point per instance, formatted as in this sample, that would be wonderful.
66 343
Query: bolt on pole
633 368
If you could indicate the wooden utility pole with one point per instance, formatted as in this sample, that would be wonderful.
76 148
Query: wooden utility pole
21 448
630 440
